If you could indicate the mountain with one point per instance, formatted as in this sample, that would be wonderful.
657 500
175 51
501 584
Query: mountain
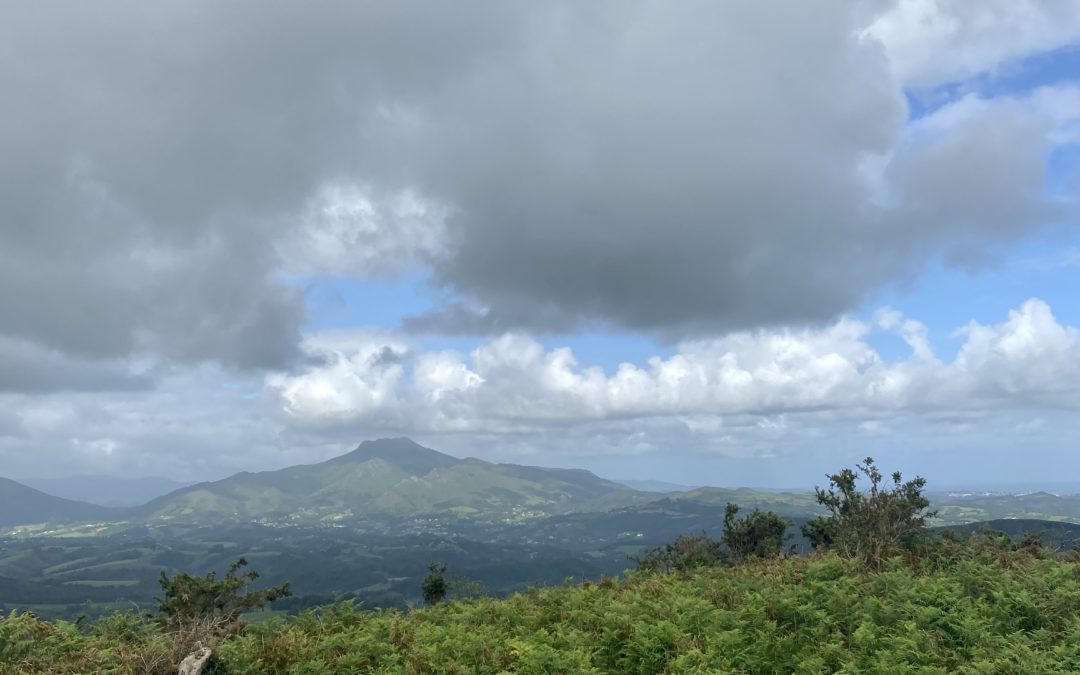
22 505
656 486
390 478
106 490
1058 535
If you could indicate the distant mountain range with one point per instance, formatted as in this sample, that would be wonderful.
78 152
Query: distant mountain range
397 480
366 524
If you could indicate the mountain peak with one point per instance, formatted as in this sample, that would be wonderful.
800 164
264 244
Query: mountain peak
21 504
404 453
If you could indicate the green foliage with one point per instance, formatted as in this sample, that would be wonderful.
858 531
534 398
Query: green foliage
434 586
191 599
981 605
462 588
758 535
687 552
869 525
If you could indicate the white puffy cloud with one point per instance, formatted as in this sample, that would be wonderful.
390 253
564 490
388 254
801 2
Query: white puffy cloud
797 394
931 42
358 376
512 384
348 230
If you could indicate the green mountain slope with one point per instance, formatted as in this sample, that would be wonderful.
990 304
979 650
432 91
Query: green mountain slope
955 509
390 477
21 505
788 504
1057 535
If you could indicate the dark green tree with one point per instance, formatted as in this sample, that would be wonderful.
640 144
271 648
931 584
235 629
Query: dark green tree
434 584
760 534
191 599
463 588
870 525
686 553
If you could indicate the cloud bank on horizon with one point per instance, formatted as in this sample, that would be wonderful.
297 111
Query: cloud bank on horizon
734 183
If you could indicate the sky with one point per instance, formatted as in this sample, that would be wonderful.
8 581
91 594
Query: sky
706 243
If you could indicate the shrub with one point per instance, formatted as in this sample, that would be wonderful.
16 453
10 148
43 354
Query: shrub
434 584
462 588
682 555
758 535
869 525
214 604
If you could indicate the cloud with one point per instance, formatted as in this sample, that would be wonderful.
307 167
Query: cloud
511 384
788 191
972 175
198 424
348 231
29 369
806 395
702 172
933 42
11 425
678 169
360 378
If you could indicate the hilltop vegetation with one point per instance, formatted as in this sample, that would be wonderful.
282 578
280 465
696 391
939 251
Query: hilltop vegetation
976 609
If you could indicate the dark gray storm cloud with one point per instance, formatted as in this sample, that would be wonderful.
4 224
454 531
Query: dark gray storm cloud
27 368
669 167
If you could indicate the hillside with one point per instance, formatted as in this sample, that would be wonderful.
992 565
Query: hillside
812 614
953 509
1057 535
20 505
390 478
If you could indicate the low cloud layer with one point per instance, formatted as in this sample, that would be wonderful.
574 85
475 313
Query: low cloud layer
512 384
781 393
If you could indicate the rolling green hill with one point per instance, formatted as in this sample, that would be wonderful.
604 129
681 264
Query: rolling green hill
20 505
1057 535
955 509
390 478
